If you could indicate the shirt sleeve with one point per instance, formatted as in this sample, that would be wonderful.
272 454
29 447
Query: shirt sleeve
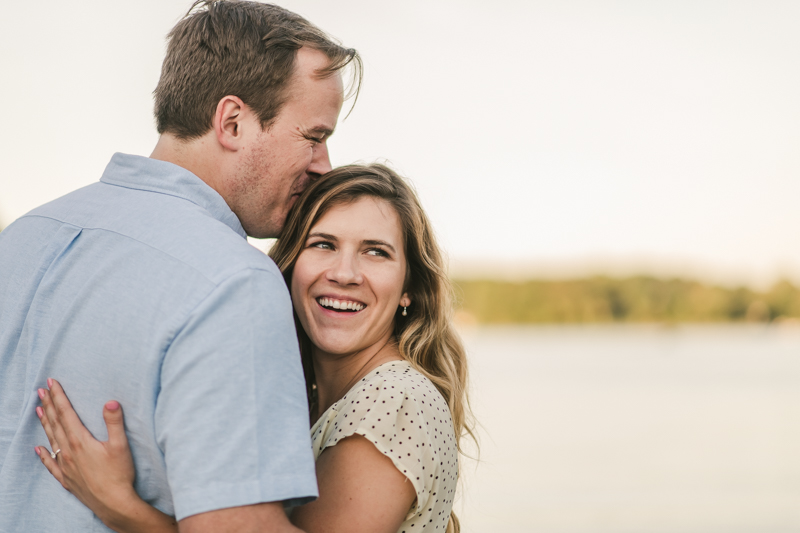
232 415
401 418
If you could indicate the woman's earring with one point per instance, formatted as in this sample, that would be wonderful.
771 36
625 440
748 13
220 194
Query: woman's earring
405 313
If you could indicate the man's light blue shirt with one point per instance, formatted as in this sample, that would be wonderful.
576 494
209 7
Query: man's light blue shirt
142 288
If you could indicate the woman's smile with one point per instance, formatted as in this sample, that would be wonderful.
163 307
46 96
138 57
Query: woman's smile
340 305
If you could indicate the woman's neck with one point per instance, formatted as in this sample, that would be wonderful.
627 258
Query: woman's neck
337 373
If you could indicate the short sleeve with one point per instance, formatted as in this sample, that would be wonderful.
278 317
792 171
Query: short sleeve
232 415
399 413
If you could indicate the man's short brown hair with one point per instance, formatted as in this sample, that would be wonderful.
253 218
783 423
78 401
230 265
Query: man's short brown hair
240 48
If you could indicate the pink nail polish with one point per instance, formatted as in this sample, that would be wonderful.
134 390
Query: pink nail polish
41 394
36 449
50 383
39 412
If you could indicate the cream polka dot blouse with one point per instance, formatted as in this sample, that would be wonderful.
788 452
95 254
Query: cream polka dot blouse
404 415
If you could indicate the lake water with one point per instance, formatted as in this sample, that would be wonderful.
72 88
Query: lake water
687 429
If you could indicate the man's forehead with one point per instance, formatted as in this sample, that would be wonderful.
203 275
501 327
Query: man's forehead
308 83
311 65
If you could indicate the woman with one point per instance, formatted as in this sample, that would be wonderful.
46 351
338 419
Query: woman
385 371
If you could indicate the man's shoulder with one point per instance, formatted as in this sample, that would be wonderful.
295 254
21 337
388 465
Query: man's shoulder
155 224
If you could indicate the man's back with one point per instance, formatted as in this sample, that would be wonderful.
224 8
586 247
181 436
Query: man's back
142 289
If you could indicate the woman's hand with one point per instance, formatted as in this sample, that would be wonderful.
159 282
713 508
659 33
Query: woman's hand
99 474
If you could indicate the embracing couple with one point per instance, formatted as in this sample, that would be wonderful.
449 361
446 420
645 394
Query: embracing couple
322 390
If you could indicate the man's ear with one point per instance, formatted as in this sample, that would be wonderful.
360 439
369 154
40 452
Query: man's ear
229 122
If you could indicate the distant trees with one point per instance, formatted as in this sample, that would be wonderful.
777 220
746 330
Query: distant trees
634 299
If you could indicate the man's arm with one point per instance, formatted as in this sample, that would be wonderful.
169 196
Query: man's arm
232 415
260 518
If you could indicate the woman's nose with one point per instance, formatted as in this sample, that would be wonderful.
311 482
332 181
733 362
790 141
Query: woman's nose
345 270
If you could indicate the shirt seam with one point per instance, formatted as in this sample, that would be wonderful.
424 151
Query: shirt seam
112 181
165 193
162 252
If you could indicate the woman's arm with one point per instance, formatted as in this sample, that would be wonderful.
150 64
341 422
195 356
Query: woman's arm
360 490
99 474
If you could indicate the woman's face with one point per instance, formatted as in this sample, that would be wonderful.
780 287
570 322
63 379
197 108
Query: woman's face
348 281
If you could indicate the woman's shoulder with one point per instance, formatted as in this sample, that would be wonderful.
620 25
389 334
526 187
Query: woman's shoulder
396 407
397 383
403 414
400 374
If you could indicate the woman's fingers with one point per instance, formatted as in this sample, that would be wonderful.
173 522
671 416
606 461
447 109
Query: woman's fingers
48 429
67 428
51 464
67 418
115 423
57 437
99 474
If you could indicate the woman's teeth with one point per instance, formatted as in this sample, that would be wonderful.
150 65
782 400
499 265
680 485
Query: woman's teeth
340 305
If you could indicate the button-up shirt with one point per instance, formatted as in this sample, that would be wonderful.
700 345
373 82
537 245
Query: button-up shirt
142 288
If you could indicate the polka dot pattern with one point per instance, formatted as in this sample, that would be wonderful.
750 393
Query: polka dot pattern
404 415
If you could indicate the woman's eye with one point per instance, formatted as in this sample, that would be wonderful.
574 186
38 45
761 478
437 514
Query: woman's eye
323 245
378 252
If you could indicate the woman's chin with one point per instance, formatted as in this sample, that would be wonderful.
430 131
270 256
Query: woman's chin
343 341
335 350
333 345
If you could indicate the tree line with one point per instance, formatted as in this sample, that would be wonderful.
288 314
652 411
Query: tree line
632 299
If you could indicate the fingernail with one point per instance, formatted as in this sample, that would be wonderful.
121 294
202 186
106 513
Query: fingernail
41 394
39 412
36 449
50 383
112 405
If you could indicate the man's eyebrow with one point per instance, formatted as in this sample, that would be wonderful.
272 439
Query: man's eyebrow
325 130
379 243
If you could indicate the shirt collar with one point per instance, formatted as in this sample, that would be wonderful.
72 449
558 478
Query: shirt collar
146 174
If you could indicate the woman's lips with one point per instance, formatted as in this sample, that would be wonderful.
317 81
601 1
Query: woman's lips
340 305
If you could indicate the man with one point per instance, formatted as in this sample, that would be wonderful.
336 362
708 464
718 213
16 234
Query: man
142 287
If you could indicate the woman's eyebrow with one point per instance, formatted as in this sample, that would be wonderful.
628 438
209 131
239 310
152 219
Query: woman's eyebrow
379 243
326 236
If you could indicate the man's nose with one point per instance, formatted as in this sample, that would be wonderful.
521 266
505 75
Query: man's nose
320 161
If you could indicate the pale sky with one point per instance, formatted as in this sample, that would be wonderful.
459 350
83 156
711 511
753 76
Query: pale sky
562 136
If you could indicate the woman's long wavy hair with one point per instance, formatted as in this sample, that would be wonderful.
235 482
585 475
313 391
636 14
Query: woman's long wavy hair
426 337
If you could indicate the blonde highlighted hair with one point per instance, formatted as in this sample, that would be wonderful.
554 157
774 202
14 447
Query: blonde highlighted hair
426 337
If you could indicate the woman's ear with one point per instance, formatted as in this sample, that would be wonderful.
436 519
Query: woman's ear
405 301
